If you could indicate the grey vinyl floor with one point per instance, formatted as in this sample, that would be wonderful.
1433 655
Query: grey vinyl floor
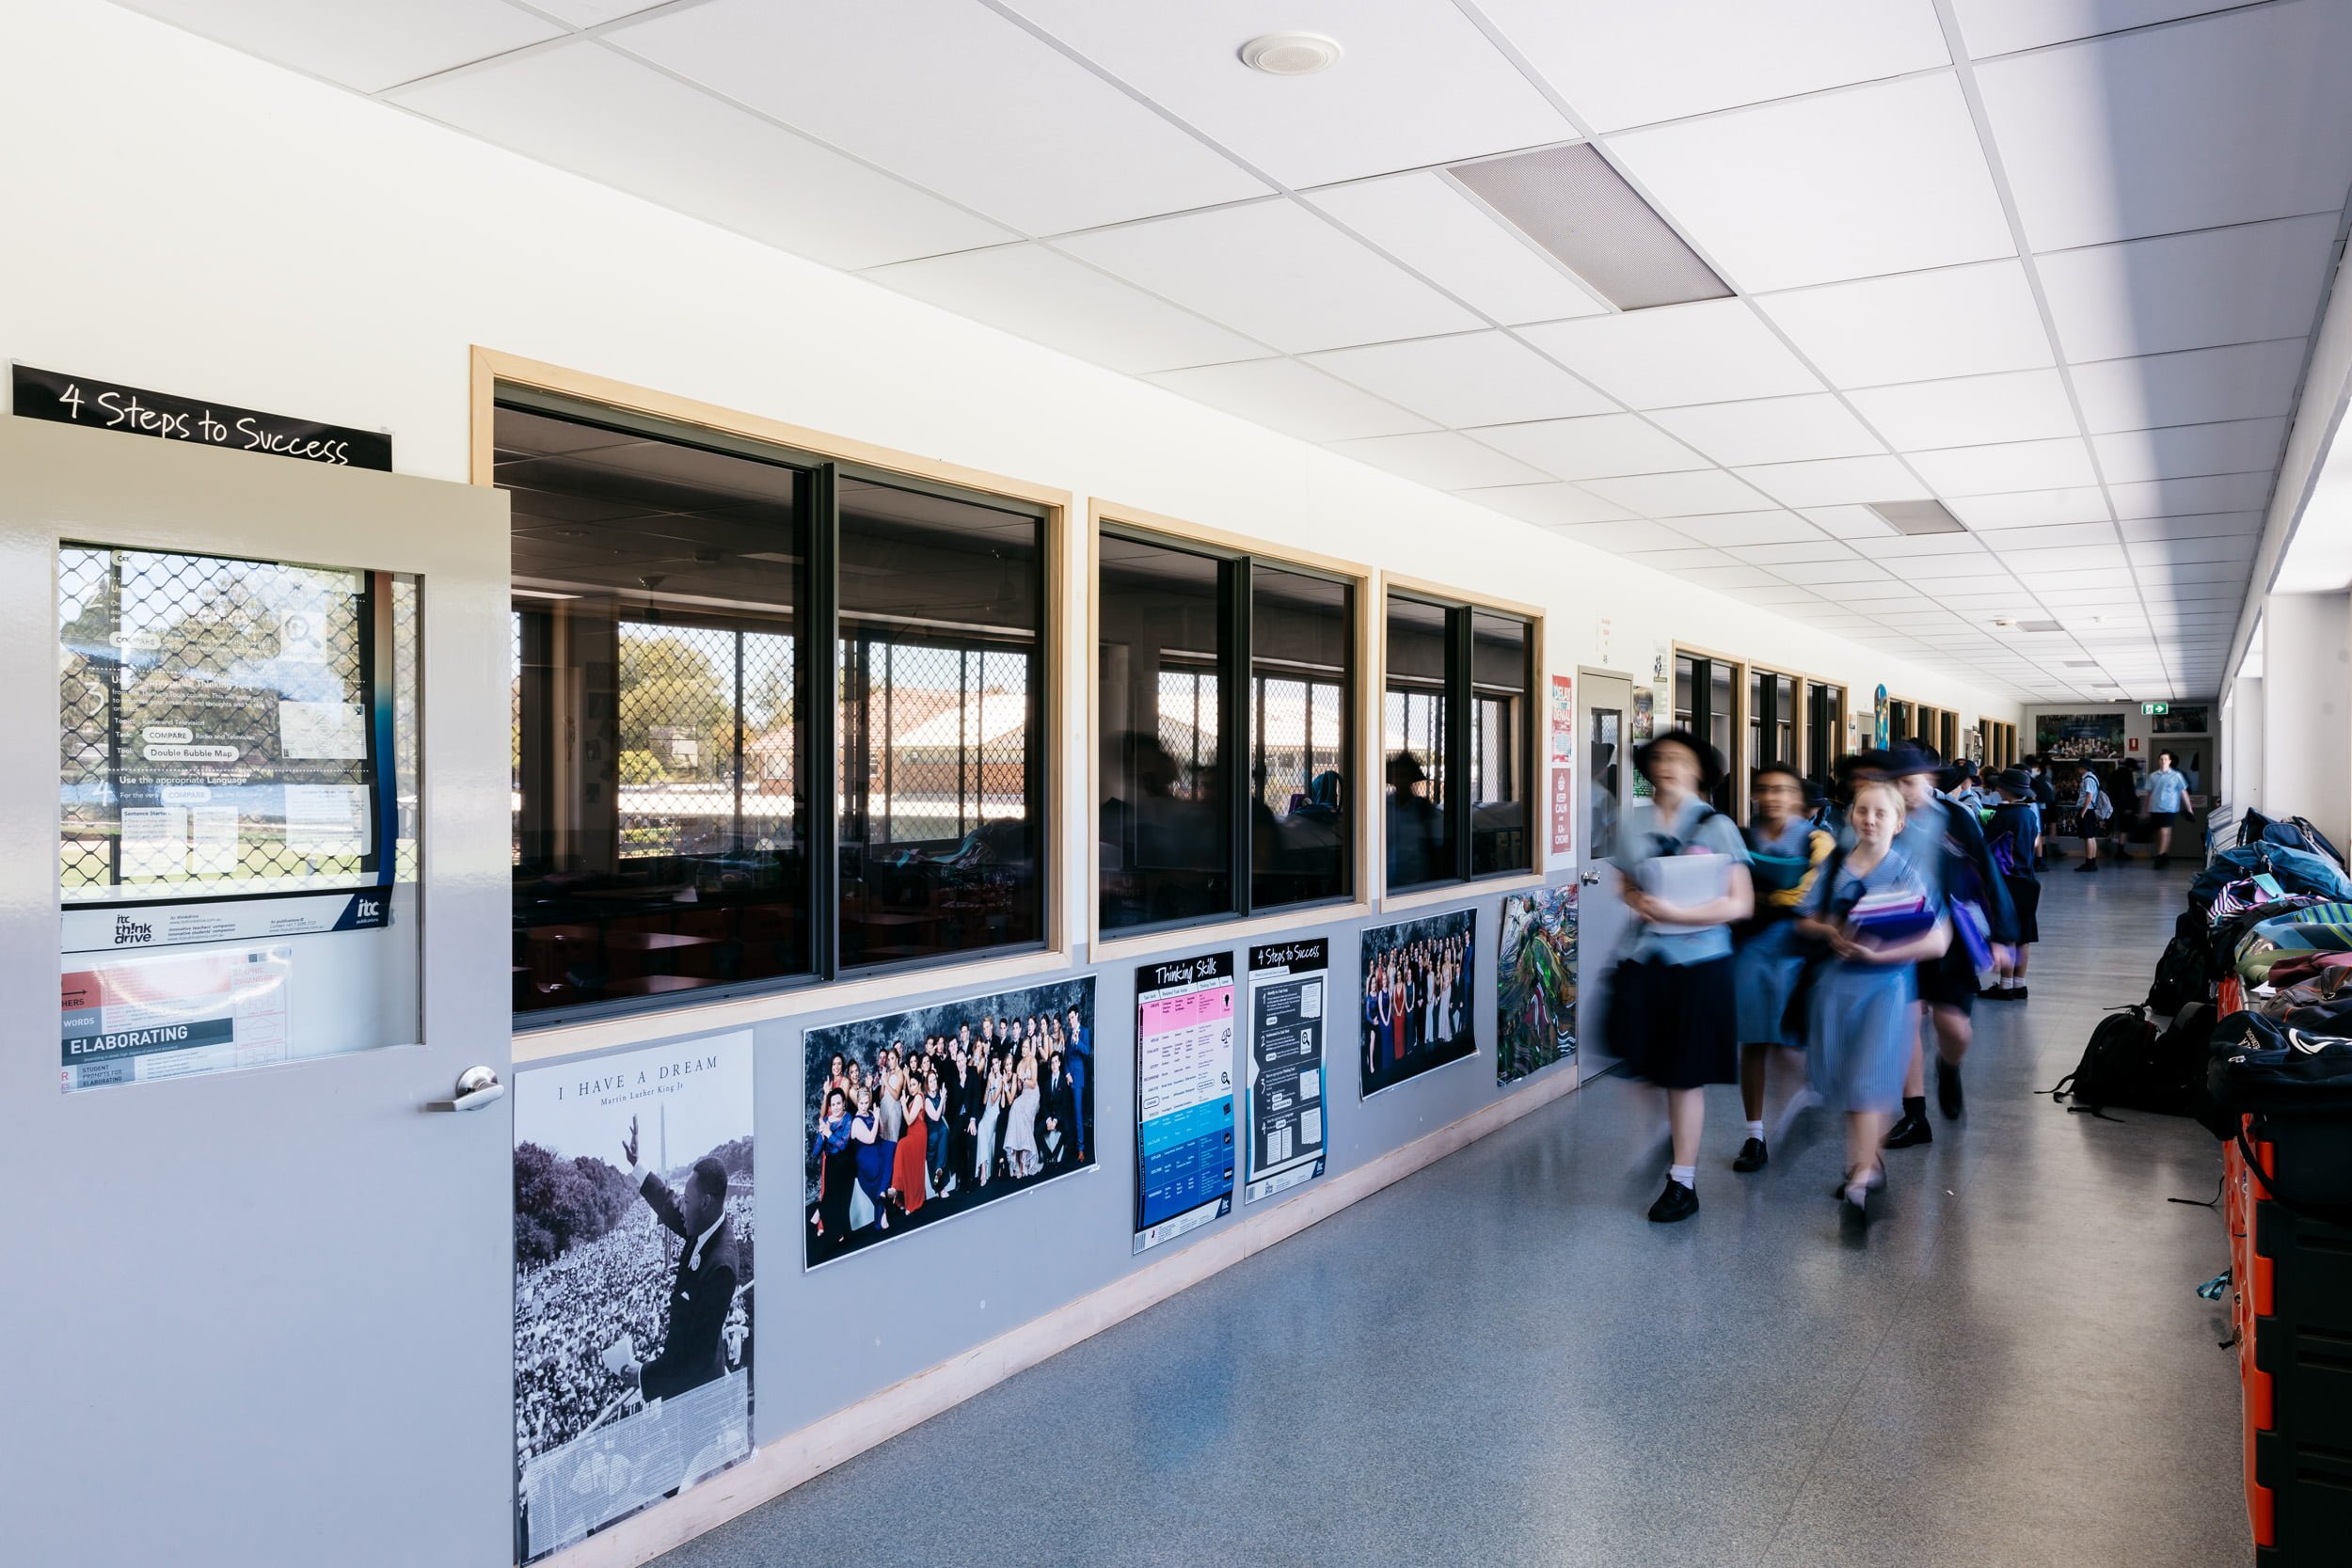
1500 1361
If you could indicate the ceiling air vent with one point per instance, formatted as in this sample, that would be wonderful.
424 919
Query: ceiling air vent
2037 625
2082 664
1571 203
1917 517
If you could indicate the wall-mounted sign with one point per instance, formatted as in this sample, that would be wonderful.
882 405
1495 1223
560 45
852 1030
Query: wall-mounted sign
1183 1095
136 411
2155 707
1289 983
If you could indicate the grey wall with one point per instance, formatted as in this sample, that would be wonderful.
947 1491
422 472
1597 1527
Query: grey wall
827 1339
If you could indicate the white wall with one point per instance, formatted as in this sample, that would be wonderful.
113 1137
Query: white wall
2307 710
2242 726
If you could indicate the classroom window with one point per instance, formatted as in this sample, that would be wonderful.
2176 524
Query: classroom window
1704 698
1772 719
684 603
1455 706
1223 779
1824 729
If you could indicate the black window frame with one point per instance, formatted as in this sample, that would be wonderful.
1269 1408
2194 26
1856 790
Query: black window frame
1457 767
817 674
1238 686
1699 715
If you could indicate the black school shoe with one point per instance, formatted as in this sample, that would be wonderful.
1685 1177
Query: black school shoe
1677 1202
1753 1156
1910 1130
2087 865
1947 1094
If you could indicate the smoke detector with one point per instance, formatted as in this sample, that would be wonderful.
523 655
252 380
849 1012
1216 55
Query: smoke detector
1291 54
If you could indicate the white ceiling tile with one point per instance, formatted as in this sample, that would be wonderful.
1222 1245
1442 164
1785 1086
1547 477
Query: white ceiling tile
1440 459
1434 229
1880 179
1276 271
1047 297
953 97
1803 549
2006 466
584 108
2033 508
1918 327
1854 570
1375 113
2234 549
2007 540
1622 538
2036 566
1470 379
590 13
2019 406
2243 381
2161 130
2088 577
1601 447
1294 397
1728 576
1620 65
1905 545
2206 525
2182 452
1771 429
1837 481
2235 285
367 47
1680 561
1780 595
2176 496
1711 351
1550 504
1932 575
1708 490
1749 528
1849 522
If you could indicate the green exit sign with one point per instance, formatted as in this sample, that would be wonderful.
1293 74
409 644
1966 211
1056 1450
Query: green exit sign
2155 707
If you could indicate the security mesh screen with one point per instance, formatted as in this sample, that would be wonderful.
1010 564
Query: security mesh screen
676 698
1299 738
1189 727
215 725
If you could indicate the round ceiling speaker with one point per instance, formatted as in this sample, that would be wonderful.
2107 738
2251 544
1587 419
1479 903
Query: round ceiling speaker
1291 54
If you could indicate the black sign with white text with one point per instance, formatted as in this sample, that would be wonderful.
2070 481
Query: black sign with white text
1288 984
135 411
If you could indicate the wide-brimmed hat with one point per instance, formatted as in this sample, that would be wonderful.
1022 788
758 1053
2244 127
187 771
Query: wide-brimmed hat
1915 759
2016 781
1710 760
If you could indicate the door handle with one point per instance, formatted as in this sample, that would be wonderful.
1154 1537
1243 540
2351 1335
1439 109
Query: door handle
476 1087
1590 879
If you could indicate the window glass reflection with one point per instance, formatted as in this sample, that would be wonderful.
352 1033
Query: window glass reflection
1299 631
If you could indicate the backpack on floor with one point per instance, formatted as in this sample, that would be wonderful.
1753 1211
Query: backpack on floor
2114 1065
2185 973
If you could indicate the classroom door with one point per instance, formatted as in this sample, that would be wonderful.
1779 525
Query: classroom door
1604 722
260 1296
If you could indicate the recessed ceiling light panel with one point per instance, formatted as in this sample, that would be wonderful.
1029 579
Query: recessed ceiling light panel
1572 204
1917 517
1291 54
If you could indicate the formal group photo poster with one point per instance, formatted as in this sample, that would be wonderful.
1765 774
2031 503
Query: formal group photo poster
918 1117
1418 980
2079 737
1535 983
1289 983
1183 1095
632 1282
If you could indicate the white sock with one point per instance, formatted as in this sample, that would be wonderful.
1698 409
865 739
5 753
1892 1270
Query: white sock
1687 1175
1755 1129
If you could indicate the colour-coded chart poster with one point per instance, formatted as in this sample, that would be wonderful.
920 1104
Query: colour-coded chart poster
1183 1095
1289 987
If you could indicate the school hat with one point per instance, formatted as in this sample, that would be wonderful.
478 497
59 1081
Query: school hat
2014 780
1710 760
1915 759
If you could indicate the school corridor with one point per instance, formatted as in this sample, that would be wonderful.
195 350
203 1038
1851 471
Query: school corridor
1498 1361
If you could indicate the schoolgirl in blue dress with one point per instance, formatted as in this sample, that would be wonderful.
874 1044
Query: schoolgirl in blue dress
1861 1028
1786 847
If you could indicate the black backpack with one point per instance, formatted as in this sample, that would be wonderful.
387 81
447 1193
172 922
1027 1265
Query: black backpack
2264 1067
2113 1062
2184 972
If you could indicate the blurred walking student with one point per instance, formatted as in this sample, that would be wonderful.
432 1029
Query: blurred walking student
2009 839
2044 798
2092 810
1946 845
1785 850
1683 869
1884 924
2168 796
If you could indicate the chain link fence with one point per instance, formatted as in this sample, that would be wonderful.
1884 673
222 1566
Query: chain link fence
934 739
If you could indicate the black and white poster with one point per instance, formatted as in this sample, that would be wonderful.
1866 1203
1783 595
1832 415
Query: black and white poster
1418 983
1289 987
632 1282
918 1116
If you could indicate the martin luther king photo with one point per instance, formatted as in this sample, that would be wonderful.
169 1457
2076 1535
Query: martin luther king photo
632 1282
